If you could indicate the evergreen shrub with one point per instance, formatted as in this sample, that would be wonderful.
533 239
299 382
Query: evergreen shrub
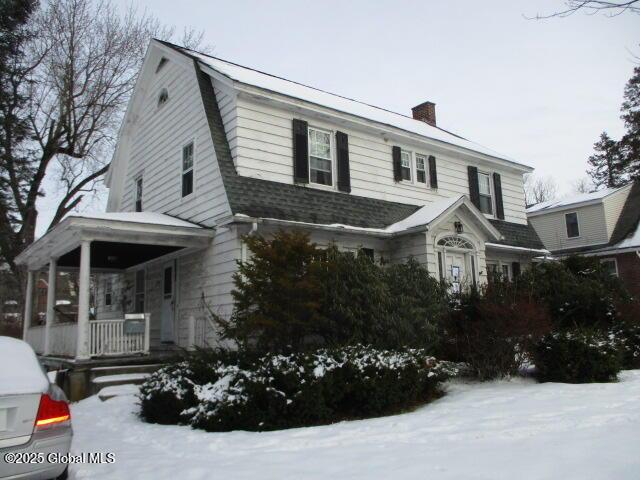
280 391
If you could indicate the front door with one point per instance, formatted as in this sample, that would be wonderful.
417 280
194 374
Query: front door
168 303
455 270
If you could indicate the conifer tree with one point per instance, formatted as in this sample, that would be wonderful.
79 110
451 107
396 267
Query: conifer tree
630 142
606 164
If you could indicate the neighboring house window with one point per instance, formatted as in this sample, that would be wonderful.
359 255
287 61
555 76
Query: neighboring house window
163 97
610 266
405 165
139 194
187 169
484 187
421 169
139 292
573 229
108 293
320 164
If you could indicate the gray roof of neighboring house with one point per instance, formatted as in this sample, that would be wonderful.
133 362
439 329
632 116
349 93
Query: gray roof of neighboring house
268 199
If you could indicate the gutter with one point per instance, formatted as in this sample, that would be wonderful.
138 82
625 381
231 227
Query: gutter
376 232
514 248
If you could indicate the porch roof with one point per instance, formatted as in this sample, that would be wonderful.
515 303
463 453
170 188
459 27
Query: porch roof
119 240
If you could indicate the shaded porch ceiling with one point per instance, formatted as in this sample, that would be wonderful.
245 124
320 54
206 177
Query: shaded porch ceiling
117 256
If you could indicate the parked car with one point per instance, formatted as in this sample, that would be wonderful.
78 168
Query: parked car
35 421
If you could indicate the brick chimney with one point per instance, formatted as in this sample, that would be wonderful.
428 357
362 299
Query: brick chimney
425 112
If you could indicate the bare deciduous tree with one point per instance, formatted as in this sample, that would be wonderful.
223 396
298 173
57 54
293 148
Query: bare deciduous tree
592 7
582 185
80 69
539 189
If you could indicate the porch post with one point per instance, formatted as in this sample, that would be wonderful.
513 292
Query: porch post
28 307
51 304
83 347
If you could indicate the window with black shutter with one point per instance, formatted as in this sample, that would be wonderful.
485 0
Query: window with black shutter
397 163
433 172
474 193
497 188
300 151
342 155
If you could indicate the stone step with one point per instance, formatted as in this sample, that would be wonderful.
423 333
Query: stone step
127 389
120 379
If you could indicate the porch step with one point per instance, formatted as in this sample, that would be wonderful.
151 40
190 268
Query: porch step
128 389
119 376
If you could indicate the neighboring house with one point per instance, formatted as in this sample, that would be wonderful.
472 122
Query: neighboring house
210 151
603 224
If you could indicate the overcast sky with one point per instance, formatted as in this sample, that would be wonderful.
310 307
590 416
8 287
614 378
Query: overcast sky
540 91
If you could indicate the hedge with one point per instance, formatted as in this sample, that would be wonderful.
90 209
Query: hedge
284 391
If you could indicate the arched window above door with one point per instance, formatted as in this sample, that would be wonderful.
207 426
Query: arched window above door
455 242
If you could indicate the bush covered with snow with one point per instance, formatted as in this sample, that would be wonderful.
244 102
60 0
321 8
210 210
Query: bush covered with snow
284 391
577 357
626 338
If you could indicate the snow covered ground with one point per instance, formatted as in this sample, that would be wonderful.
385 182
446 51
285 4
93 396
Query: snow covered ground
500 430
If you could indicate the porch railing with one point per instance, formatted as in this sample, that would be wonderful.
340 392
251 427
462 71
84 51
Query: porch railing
125 336
62 339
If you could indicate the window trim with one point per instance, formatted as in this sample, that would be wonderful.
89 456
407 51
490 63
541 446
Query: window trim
616 273
332 157
566 225
491 194
138 179
192 141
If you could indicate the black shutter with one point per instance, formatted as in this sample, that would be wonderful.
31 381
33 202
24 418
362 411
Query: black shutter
433 173
342 149
515 269
397 163
474 188
300 151
497 188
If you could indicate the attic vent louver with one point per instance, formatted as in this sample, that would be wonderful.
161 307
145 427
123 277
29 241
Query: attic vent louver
163 97
161 64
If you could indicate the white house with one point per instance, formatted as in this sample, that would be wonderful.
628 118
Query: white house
604 224
210 151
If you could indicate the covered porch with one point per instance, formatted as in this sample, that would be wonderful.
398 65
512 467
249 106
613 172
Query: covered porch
103 245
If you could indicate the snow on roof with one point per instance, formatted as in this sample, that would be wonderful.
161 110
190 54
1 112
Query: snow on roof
424 216
632 241
573 199
20 371
138 217
293 89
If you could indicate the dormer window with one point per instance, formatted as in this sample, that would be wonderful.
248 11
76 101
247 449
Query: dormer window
405 165
484 187
163 97
320 161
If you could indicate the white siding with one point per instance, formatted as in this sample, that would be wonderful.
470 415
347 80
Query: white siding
156 151
552 230
263 146
613 205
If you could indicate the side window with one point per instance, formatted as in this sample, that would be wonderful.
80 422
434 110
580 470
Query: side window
484 187
421 169
187 169
405 165
573 228
139 194
139 292
108 293
320 161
